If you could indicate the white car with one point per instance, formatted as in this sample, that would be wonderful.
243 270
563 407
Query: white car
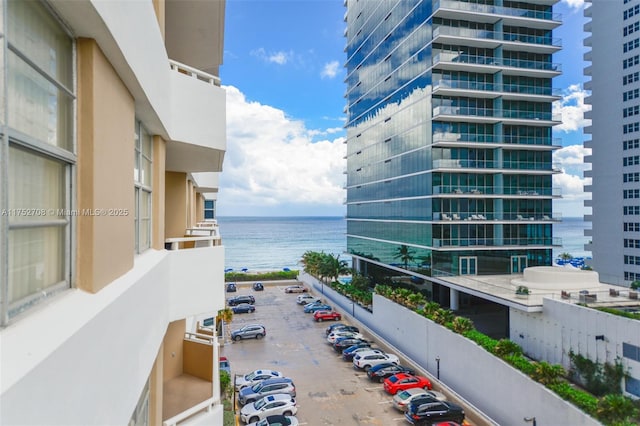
279 403
276 421
367 359
333 336
305 298
254 377
402 399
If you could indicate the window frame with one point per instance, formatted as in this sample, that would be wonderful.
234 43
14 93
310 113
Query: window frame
139 187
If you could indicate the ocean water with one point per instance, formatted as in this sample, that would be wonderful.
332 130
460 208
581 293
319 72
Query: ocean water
274 243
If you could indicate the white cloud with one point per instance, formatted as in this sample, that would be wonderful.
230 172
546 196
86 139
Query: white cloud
279 57
273 163
571 181
572 108
574 4
330 69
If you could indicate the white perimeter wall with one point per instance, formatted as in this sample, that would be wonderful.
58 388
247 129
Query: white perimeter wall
561 327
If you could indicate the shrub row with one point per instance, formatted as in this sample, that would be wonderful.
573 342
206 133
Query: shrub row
260 276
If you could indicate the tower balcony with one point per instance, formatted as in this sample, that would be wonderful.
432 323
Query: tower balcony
453 140
448 87
493 39
481 243
490 115
477 12
457 61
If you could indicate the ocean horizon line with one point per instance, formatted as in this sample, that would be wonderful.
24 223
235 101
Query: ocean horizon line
321 216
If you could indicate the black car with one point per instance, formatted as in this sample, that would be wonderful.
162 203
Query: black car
381 371
342 327
243 308
258 286
241 299
425 414
231 287
344 342
350 352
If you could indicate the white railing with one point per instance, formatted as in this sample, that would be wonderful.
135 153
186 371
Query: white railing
194 72
206 241
205 406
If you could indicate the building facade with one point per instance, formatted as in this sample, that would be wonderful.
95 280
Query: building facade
612 77
449 135
113 130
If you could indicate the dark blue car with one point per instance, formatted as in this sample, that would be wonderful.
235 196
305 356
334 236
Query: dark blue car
243 308
310 309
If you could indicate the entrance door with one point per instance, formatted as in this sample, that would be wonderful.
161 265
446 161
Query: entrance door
468 265
518 263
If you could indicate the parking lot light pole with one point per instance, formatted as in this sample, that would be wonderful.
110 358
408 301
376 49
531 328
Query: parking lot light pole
438 368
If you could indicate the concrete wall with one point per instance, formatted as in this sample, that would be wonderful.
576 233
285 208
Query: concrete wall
563 327
499 390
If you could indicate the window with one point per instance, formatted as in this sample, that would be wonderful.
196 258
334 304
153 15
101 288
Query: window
142 187
209 209
39 141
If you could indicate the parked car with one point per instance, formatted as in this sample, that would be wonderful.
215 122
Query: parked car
225 365
243 308
335 335
251 331
231 287
280 403
320 316
402 399
304 298
344 343
266 387
315 308
295 289
402 381
254 377
447 424
433 412
314 303
354 347
340 326
352 351
233 301
276 421
387 369
366 360
258 286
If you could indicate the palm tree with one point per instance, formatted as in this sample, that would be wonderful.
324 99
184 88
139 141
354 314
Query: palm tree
566 256
405 254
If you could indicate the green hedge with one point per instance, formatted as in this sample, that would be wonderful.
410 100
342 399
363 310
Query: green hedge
261 276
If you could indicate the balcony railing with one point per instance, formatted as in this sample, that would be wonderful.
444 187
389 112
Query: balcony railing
491 87
496 10
210 407
194 72
464 164
494 35
496 242
495 190
497 216
463 58
489 138
494 113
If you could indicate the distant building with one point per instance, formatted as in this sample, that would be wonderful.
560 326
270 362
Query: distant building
614 69
113 129
449 136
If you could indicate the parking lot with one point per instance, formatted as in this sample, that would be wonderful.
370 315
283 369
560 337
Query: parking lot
329 390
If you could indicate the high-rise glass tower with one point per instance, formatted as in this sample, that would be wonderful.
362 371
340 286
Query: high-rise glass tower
449 135
614 53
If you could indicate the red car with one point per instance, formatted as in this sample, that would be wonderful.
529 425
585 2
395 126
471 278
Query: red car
402 381
326 316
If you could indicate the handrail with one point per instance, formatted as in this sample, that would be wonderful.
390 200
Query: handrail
174 243
194 72
197 337
204 405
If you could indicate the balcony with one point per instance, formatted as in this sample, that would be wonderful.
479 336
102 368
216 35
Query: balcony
455 243
189 396
511 16
196 273
478 63
481 89
493 39
464 164
198 121
467 216
451 139
496 191
490 115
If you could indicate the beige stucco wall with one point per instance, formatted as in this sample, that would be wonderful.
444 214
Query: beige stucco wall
106 117
158 6
199 208
173 351
158 195
155 389
176 205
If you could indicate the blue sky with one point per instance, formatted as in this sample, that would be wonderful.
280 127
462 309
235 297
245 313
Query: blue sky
284 79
